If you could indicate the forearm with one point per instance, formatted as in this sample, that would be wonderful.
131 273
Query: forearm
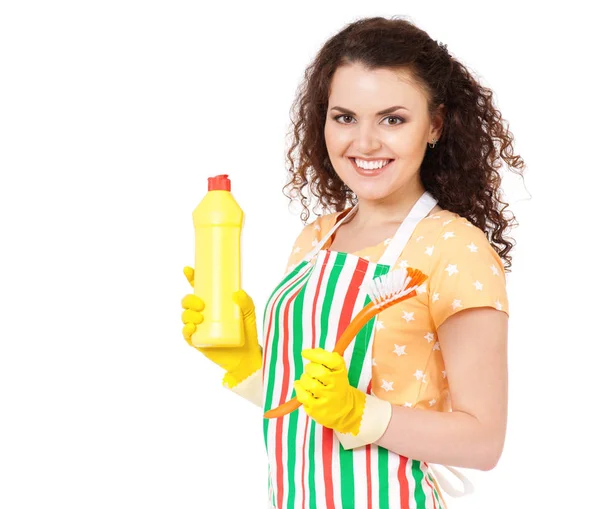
446 438
249 387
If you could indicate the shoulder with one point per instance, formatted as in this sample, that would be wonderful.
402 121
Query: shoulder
311 234
459 239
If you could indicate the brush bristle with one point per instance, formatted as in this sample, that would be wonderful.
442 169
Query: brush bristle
394 284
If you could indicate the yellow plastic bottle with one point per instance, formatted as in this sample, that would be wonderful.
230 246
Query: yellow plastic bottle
218 221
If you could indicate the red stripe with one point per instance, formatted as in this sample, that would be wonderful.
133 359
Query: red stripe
271 315
369 482
303 463
317 290
327 448
350 299
345 316
368 460
403 483
328 481
282 397
278 428
432 490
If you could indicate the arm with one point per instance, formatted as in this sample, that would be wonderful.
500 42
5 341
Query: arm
474 343
250 388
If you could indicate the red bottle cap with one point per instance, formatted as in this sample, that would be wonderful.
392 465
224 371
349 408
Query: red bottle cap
219 183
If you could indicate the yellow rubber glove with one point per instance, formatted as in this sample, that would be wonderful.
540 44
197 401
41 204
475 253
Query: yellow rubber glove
327 397
238 362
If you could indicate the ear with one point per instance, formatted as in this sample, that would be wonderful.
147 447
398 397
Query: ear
437 122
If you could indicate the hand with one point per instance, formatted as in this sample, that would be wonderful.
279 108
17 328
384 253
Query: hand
238 362
326 394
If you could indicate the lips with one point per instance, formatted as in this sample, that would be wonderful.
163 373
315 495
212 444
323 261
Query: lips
370 173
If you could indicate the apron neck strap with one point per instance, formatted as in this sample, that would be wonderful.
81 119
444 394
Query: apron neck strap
420 209
318 247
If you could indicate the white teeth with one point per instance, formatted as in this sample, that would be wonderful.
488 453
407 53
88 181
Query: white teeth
370 165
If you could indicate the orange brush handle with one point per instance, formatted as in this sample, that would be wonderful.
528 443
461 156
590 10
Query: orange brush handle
353 328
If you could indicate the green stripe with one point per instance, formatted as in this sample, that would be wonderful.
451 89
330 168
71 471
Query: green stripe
419 494
346 457
296 343
363 338
282 283
274 349
435 492
384 489
312 490
347 476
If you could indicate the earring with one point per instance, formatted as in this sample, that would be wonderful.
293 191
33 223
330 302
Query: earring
434 142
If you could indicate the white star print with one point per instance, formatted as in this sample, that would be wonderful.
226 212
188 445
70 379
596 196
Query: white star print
443 374
314 242
379 325
432 402
472 247
478 285
296 249
429 250
422 288
408 316
373 362
366 258
317 227
456 304
447 222
469 224
400 350
495 270
420 238
436 296
387 386
498 305
430 336
448 235
419 375
407 404
403 264
436 345
386 242
451 269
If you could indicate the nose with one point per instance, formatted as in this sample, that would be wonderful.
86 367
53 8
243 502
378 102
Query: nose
367 139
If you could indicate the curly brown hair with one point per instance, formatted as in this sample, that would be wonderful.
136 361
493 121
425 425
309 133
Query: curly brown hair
461 172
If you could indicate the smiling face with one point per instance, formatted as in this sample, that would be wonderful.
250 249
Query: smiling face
364 127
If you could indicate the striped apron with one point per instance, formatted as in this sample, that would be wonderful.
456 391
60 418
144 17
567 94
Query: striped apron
310 308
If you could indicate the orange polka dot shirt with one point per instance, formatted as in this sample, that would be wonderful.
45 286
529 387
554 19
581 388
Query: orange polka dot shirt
464 271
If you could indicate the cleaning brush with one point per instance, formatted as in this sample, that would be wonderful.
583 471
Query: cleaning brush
384 291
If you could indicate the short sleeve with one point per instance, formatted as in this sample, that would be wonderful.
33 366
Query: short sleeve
466 272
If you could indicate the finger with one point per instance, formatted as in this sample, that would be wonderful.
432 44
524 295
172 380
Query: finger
332 360
310 384
302 395
188 331
191 316
245 302
318 372
191 301
189 275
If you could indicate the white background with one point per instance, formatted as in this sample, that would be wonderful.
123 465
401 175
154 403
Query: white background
113 114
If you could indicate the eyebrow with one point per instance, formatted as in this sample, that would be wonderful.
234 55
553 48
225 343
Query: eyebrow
382 112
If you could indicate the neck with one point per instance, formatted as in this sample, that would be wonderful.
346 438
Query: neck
392 209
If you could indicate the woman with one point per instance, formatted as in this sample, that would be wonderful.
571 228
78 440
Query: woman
396 139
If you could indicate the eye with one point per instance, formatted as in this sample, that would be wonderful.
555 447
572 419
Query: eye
399 120
344 116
